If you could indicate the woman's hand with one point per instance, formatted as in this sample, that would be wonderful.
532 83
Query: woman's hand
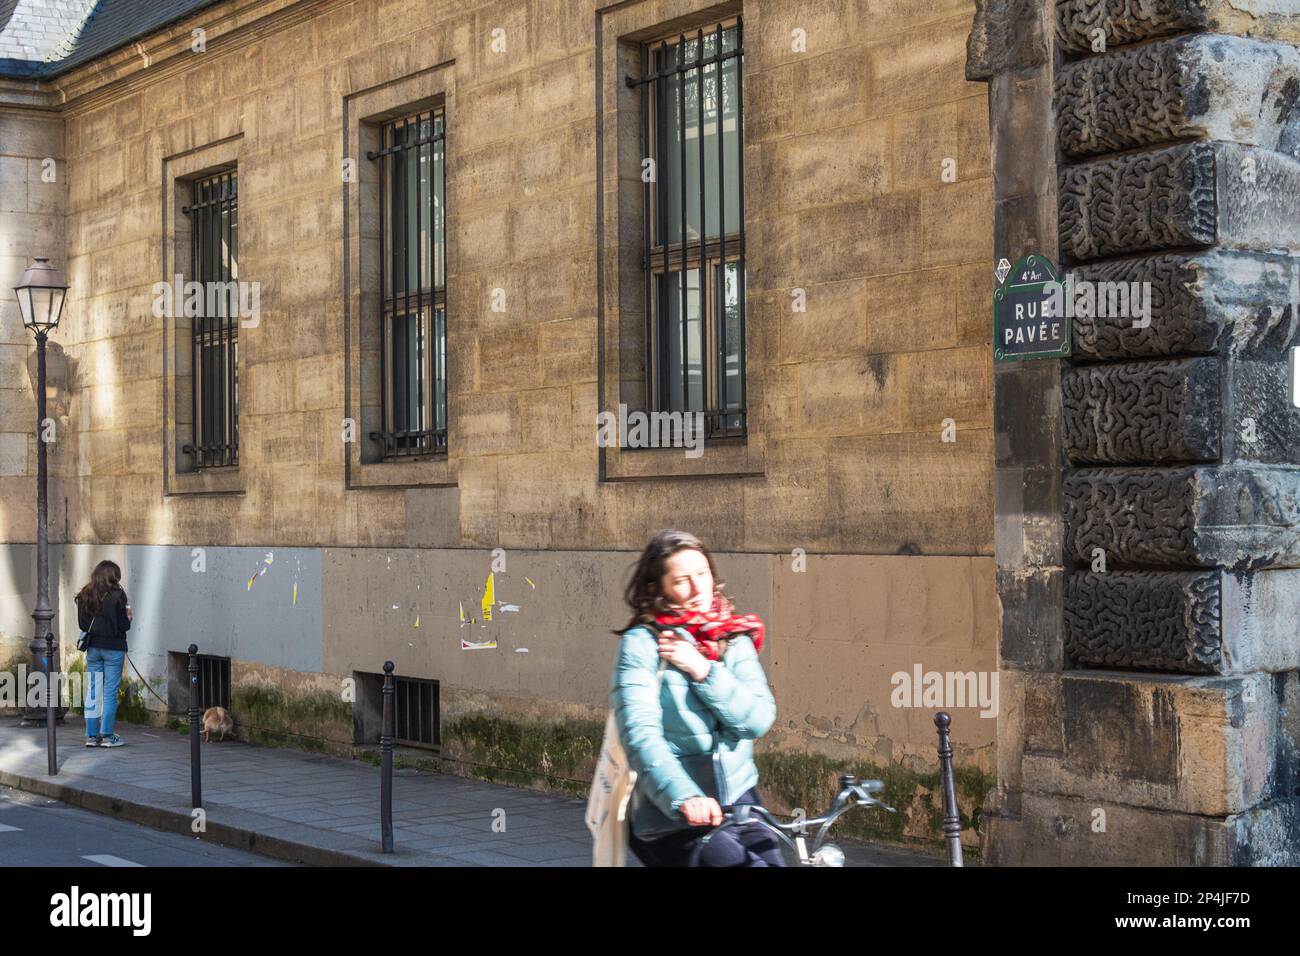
701 811
683 655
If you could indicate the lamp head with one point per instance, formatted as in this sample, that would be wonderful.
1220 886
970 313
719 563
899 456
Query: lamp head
40 293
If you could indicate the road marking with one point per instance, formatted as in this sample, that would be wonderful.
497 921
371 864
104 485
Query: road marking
107 859
6 828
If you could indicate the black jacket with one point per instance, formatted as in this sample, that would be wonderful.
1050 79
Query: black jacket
110 625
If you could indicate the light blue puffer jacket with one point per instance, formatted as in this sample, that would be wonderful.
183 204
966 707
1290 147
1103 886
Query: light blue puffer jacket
669 731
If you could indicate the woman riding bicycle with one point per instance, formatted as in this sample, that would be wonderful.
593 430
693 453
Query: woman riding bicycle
690 698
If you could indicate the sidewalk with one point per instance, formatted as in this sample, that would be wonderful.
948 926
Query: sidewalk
316 809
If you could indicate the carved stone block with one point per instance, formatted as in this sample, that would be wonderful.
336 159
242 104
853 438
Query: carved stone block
1241 197
1143 412
1239 517
1194 744
1144 620
1183 622
1083 25
1095 26
1261 423
1230 89
1242 303
1138 202
1259 198
1006 35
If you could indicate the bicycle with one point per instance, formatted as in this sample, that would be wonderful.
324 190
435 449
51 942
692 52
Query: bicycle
853 793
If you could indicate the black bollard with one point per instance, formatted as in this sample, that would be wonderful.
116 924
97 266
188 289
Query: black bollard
386 771
196 776
50 742
951 821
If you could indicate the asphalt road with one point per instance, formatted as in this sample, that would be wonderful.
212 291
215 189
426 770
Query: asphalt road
36 831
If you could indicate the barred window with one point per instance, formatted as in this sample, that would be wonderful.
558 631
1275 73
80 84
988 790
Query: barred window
415 712
413 279
694 225
214 329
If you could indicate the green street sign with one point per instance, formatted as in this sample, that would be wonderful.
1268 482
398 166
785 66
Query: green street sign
1029 315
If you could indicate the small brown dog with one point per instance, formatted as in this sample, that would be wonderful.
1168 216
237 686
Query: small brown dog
217 720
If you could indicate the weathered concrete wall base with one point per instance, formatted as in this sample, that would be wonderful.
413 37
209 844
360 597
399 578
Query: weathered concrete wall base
535 744
531 710
281 707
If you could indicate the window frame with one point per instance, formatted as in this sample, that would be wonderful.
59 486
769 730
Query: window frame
214 249
430 307
708 257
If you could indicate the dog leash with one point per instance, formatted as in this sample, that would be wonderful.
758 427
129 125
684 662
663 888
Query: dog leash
145 682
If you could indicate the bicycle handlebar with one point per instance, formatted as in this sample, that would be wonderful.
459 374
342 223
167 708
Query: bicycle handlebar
852 793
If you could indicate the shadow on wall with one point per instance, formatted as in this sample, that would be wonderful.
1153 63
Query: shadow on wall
17 598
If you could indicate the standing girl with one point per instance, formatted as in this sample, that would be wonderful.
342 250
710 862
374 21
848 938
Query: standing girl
690 698
103 614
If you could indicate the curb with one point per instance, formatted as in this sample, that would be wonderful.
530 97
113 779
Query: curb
170 820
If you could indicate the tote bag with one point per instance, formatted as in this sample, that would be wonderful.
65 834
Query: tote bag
611 789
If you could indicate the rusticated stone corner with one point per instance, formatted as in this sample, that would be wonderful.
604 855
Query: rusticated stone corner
1143 413
1182 622
1006 35
1197 304
1236 517
1095 26
1083 25
1135 517
1222 88
1195 194
1186 745
1258 198
1144 620
1263 425
1139 202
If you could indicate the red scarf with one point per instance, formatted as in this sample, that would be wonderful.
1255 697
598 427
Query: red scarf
707 627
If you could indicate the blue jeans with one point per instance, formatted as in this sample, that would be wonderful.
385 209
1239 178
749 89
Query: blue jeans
106 667
747 846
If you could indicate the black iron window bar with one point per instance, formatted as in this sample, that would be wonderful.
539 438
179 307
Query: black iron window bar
695 78
214 331
214 681
413 284
415 712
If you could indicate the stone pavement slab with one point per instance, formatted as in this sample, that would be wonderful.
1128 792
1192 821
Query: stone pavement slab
317 809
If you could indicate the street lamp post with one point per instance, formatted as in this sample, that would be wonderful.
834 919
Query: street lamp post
41 292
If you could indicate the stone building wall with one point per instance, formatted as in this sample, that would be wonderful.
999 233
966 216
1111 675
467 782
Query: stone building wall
1149 523
867 186
33 194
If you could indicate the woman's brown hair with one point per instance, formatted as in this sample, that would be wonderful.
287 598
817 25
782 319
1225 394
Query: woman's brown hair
643 594
104 579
